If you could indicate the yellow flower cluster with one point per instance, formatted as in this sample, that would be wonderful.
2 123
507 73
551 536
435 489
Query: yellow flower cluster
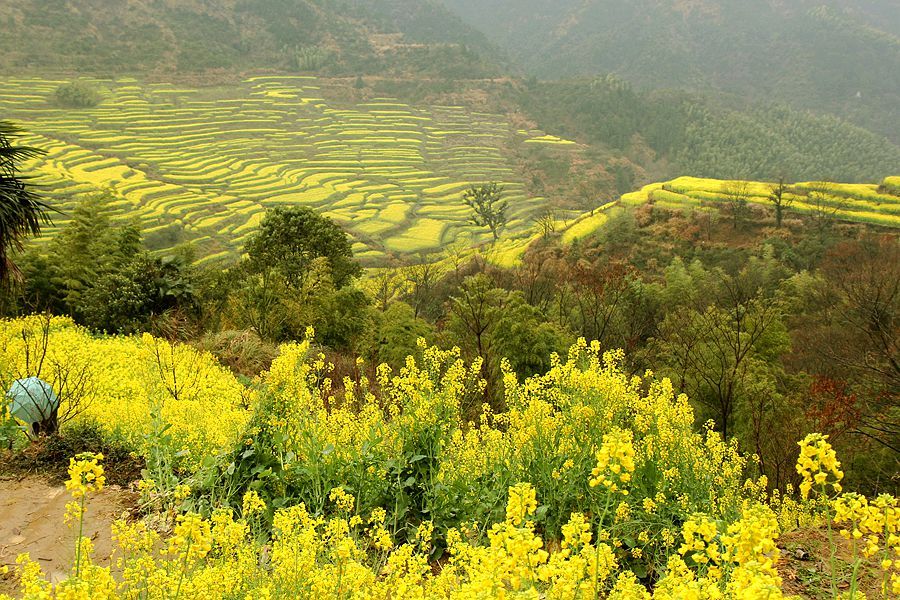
615 462
818 464
741 560
192 539
315 557
85 475
252 504
584 425
522 502
874 529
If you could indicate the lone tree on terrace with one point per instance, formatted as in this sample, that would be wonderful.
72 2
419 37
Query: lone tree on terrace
488 207
780 200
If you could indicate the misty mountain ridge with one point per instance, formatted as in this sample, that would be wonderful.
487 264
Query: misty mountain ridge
841 56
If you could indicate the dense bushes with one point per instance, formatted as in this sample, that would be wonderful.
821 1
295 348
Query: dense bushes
78 94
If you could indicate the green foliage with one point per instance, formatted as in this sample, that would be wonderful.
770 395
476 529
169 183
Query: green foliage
290 239
86 250
705 139
395 333
307 58
242 35
492 323
891 185
78 94
527 340
341 318
99 273
839 59
129 299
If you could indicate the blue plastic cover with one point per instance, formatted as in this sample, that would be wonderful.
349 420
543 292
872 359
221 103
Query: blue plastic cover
32 400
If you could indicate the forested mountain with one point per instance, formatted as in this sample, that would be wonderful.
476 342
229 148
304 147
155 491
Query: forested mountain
690 133
328 36
840 56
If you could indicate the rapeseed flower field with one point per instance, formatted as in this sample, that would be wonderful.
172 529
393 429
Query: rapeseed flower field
591 483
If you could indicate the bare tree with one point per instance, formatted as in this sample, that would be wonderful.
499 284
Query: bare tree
824 203
387 284
867 327
780 200
737 196
546 223
421 279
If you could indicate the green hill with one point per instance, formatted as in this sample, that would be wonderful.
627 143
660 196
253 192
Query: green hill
334 36
689 133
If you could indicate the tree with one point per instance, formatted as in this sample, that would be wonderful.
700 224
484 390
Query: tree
473 314
526 339
546 223
488 207
737 195
395 333
779 200
22 211
88 249
724 346
421 279
290 239
866 330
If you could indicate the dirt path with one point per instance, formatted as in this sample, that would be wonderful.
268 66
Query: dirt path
31 520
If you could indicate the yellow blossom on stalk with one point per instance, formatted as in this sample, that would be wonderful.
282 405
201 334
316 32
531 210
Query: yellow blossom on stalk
252 504
424 533
817 464
85 475
31 579
615 461
522 503
74 512
851 509
343 500
699 534
577 532
192 537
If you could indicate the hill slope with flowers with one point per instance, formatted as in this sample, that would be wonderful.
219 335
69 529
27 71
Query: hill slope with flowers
590 483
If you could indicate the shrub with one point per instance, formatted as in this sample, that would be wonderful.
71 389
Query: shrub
78 94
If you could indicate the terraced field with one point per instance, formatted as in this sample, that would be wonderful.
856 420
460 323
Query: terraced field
204 164
875 204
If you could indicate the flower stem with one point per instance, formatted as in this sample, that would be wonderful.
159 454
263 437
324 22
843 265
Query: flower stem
78 539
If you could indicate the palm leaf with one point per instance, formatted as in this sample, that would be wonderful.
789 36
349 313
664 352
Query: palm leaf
22 210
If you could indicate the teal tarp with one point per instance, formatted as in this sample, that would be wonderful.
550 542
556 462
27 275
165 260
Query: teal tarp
32 400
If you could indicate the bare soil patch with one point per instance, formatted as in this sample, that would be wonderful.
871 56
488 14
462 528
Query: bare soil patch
31 520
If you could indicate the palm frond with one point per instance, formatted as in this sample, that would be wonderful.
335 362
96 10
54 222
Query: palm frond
22 210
